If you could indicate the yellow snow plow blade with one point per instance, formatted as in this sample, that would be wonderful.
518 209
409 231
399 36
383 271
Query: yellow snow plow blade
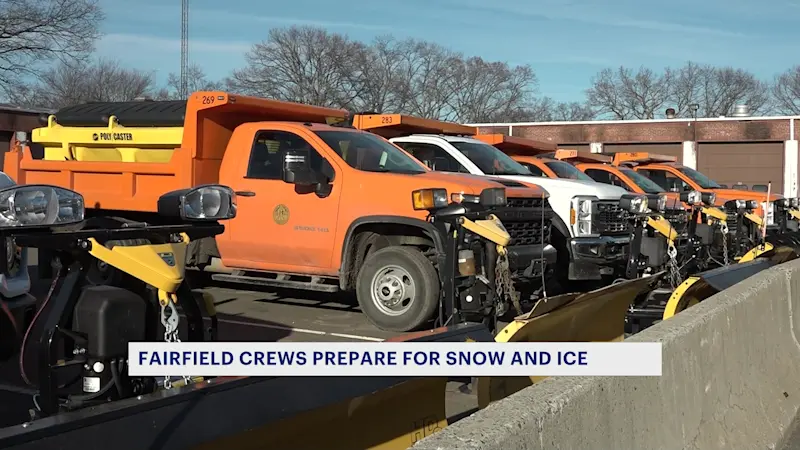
377 413
596 316
699 287
755 252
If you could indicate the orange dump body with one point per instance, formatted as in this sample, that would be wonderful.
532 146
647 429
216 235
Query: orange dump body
395 125
516 146
577 156
208 128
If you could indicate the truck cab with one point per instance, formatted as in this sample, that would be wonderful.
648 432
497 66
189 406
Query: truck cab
599 168
674 177
590 232
320 206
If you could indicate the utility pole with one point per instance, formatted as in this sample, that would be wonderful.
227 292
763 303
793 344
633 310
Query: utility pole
184 94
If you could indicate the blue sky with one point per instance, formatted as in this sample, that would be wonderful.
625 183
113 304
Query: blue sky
566 42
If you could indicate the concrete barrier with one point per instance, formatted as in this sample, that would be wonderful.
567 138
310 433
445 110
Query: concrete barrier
731 379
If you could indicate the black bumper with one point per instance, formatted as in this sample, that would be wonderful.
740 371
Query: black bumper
595 257
525 261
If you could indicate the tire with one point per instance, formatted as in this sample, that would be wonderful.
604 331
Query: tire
403 262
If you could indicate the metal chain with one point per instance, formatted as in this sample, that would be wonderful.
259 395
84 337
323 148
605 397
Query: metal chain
724 229
170 320
672 267
505 286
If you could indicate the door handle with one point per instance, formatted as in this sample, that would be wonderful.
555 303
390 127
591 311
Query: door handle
245 193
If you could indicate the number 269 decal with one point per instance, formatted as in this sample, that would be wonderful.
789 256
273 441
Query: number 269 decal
208 99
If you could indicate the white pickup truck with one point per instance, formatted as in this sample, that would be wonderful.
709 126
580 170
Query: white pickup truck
591 232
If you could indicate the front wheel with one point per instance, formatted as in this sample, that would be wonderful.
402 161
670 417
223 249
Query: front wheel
398 289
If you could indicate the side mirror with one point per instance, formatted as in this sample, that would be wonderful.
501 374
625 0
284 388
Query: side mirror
297 168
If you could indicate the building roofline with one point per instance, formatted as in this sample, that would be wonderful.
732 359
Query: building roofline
20 109
633 121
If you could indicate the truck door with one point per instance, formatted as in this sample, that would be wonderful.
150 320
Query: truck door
280 226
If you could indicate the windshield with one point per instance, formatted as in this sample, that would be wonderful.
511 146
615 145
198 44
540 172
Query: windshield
490 160
648 186
702 180
370 153
567 170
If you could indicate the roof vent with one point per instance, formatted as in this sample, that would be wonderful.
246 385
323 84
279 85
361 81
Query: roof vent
670 113
740 111
143 98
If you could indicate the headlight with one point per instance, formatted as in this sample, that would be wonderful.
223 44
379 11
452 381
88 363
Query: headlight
752 204
580 215
493 197
692 197
425 199
39 205
635 204
735 205
206 202
794 202
657 203
708 198
783 203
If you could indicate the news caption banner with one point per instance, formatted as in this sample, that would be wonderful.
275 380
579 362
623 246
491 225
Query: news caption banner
392 359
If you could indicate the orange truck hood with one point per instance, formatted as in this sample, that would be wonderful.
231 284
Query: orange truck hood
457 182
736 194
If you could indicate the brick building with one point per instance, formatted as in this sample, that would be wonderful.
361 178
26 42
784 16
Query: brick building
730 150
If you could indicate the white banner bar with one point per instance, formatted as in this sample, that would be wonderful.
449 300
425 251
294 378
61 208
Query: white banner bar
432 359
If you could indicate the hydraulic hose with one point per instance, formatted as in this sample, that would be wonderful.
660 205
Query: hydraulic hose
30 327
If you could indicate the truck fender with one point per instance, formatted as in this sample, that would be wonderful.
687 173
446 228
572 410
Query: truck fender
562 228
346 278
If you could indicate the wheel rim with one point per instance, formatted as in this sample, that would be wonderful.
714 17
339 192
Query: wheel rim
393 290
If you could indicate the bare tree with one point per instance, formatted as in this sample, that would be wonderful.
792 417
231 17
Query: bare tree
572 111
34 33
69 84
377 76
427 76
625 94
486 91
786 92
197 81
311 65
301 64
717 90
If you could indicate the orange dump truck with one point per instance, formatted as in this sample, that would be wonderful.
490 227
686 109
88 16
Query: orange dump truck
672 176
320 207
529 223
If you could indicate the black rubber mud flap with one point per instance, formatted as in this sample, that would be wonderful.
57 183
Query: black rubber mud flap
265 412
